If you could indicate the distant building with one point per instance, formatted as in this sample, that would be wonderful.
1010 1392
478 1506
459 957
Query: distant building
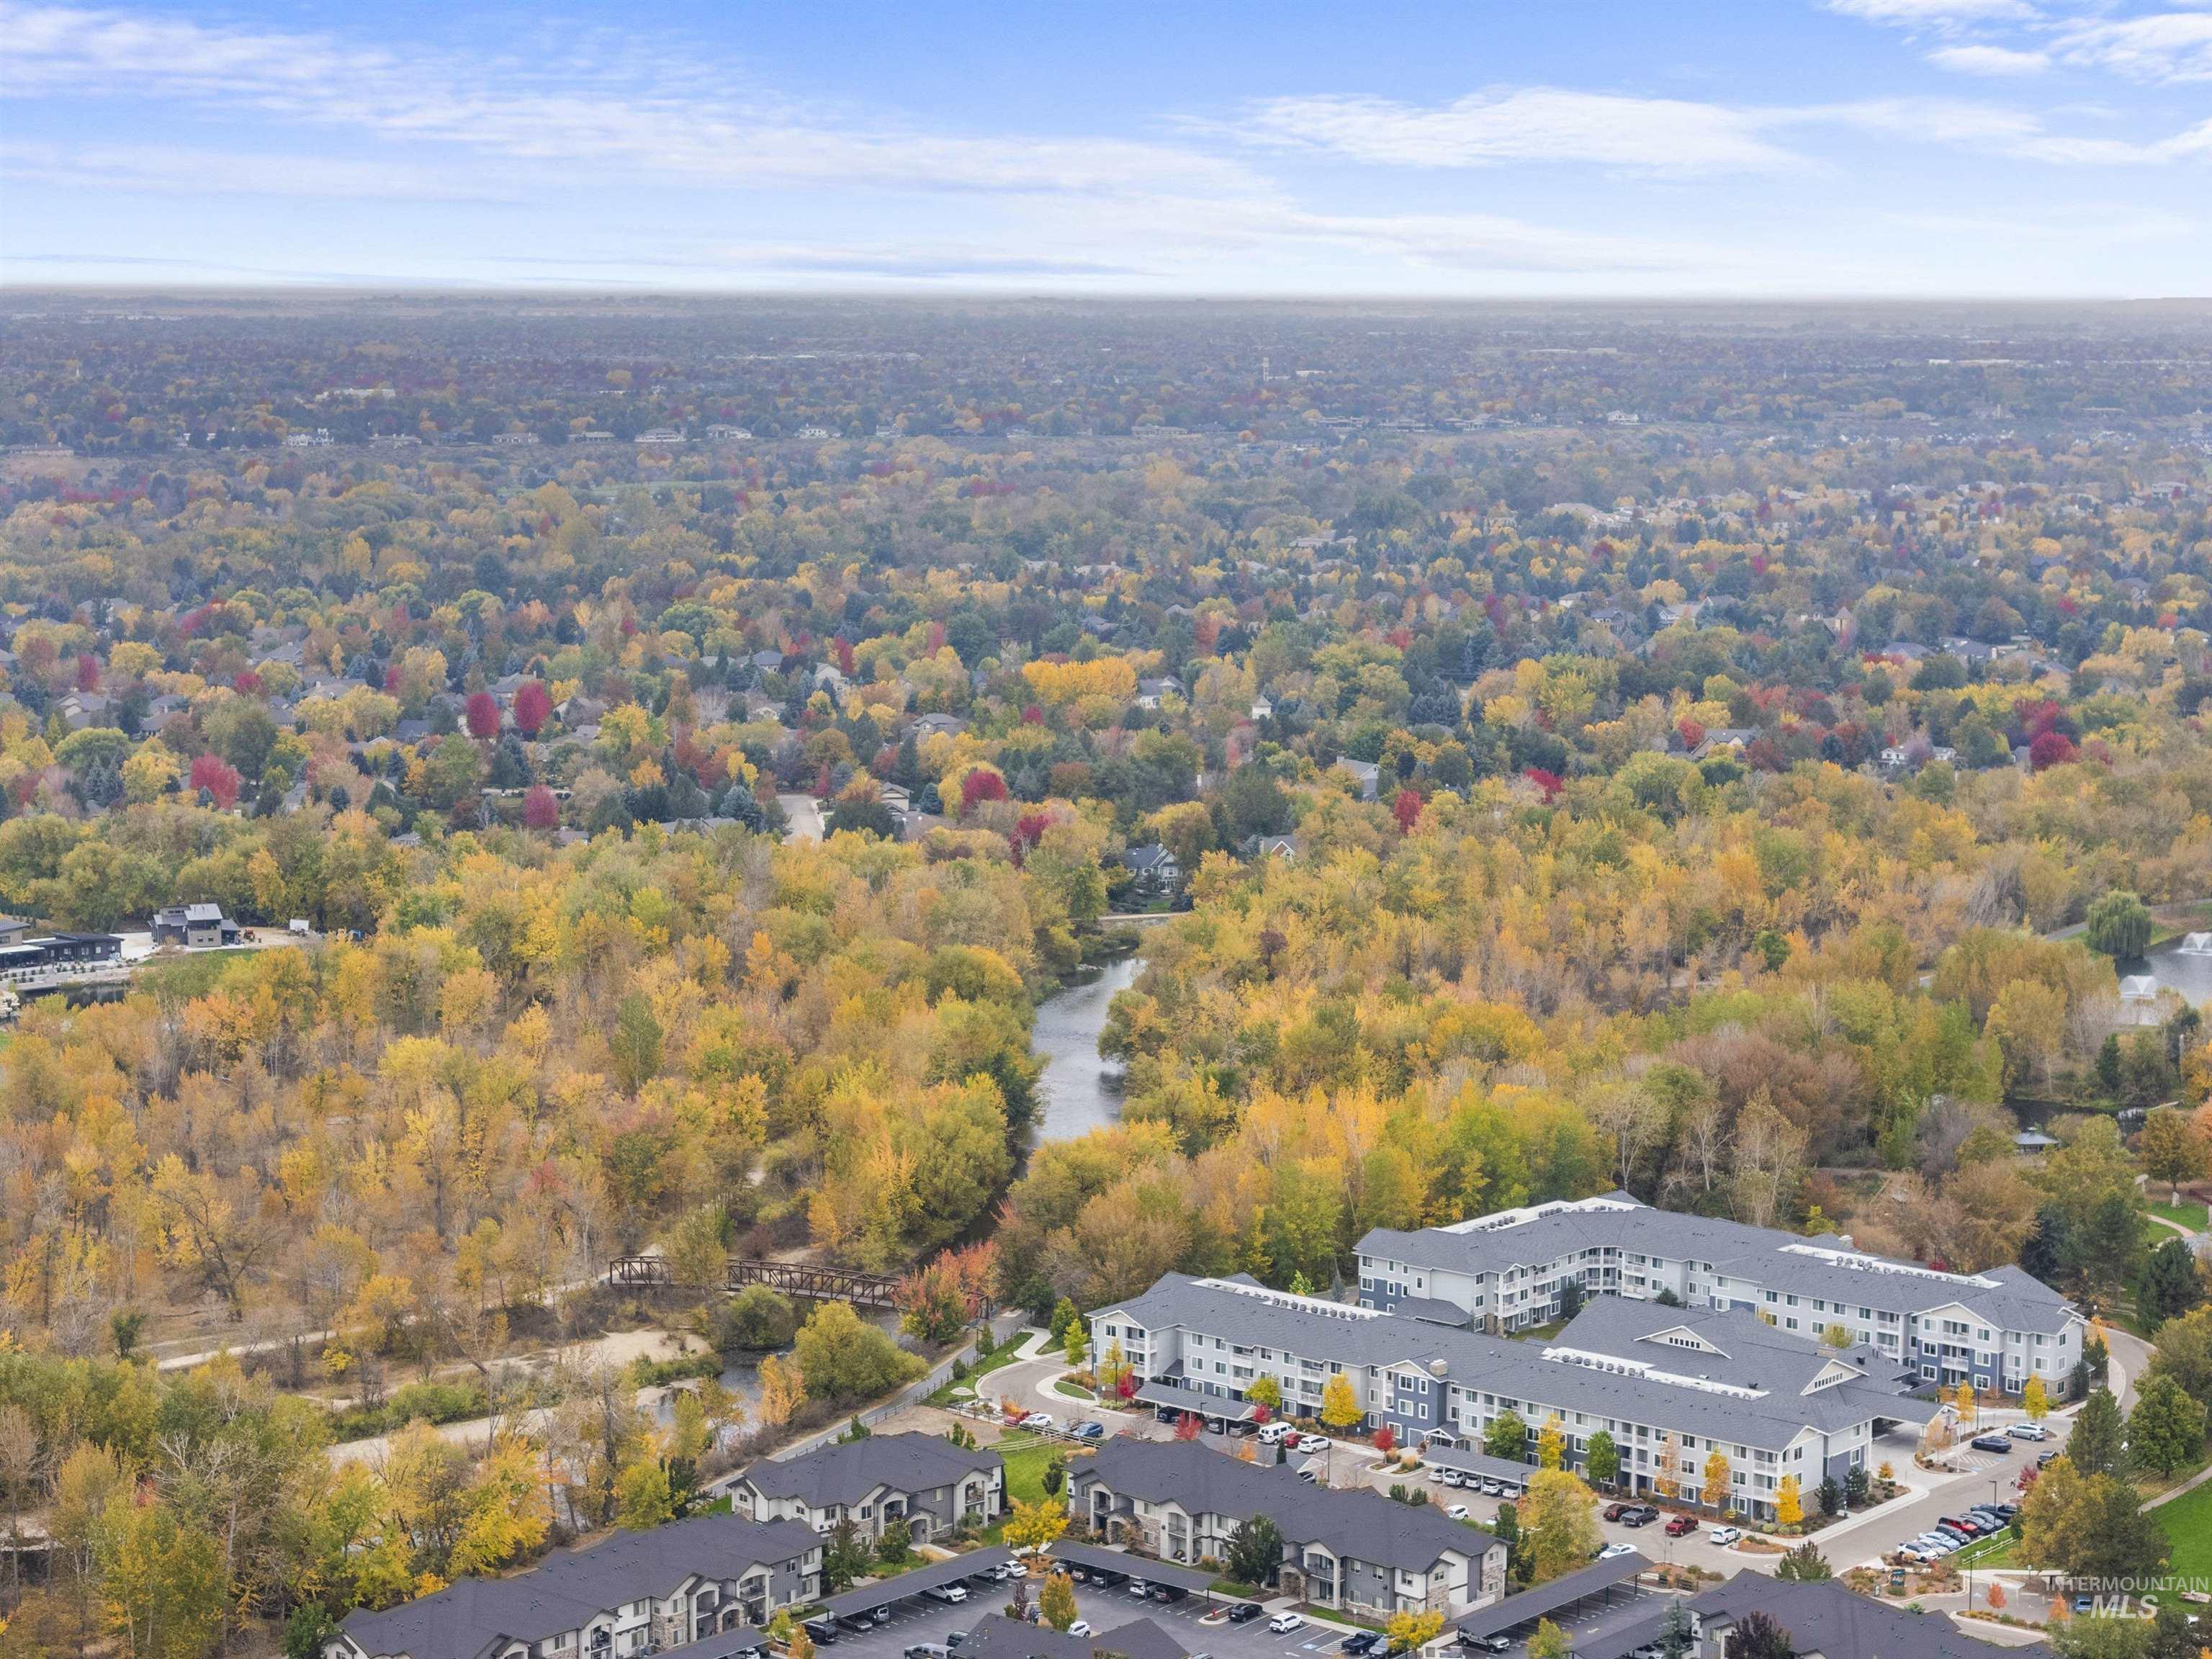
1157 870
1365 775
195 926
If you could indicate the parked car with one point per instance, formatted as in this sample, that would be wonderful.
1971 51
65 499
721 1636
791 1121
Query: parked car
1168 1593
1272 1434
1362 1642
1642 1515
926 1650
949 1592
1286 1621
1492 1488
1081 1627
1615 1511
1490 1643
1243 1613
1089 1430
823 1631
2028 1431
1458 1512
1724 1535
858 1623
1614 1551
1681 1526
1315 1443
1992 1443
1139 1589
1039 1420
2045 1460
1965 1523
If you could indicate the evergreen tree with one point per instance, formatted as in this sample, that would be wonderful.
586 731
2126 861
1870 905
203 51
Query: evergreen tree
2095 1446
2169 1285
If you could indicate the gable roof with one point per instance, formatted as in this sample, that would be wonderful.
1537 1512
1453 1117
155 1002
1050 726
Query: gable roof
1828 1619
565 1590
845 1471
1363 1525
1001 1637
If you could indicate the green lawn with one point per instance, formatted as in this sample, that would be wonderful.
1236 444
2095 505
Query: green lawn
2191 1216
1025 1456
2188 1522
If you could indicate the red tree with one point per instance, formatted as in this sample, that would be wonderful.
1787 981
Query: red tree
2051 748
1407 809
845 658
1549 783
1386 1439
218 777
245 682
483 715
533 707
1186 1427
541 809
980 786
88 672
1690 732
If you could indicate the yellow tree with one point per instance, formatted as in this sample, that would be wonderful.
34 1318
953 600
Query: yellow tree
1717 1471
1340 1408
1551 1445
1409 1631
1670 1458
1788 1507
1558 1517
1549 1642
782 1391
503 1512
1056 1601
2035 1399
1034 1526
1964 1399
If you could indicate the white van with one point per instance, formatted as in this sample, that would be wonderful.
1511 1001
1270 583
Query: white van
1271 1434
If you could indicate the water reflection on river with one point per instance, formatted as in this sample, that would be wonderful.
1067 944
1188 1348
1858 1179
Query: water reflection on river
1080 1092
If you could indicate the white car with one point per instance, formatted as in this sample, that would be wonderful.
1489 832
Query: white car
2028 1431
1081 1627
1724 1535
1614 1551
951 1592
1457 1512
1286 1621
1314 1443
1039 1420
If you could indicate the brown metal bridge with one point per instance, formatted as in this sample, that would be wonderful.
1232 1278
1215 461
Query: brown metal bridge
805 1278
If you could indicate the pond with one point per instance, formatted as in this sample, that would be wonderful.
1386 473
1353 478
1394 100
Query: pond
1080 1090
2183 965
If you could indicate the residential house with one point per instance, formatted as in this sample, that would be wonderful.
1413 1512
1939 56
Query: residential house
1355 1551
636 1593
1157 870
922 1482
1822 1619
1365 775
196 927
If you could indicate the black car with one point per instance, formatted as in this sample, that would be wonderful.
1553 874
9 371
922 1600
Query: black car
2045 1460
823 1631
1363 1642
1615 1511
1642 1515
1992 1443
1243 1613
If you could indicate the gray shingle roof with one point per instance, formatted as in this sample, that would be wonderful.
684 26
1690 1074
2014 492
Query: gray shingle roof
1498 1365
1825 1617
846 1472
564 1590
1826 1267
1363 1525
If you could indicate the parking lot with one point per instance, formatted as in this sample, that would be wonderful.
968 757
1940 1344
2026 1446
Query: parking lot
922 1618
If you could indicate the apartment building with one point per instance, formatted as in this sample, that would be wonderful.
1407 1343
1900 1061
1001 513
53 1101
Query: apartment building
638 1592
1823 1620
922 1482
1670 1385
1512 1270
1357 1552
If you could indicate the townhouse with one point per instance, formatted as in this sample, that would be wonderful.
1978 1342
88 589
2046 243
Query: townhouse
1822 1619
1512 1269
638 1592
1355 1550
1670 1385
919 1482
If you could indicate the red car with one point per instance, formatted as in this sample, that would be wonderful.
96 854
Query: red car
1681 1524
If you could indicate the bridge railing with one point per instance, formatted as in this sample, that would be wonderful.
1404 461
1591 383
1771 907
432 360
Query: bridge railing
810 1280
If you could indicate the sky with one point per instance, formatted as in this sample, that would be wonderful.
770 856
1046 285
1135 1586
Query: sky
1434 148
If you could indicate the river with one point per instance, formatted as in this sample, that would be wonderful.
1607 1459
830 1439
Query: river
1079 1092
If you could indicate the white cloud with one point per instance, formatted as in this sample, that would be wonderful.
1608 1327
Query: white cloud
1994 61
2166 47
675 121
1533 124
168 170
1929 13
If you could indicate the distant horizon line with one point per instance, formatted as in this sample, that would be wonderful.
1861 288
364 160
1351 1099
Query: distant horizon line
464 289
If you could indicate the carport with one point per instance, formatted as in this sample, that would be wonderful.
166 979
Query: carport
1600 1582
1513 1476
731 1644
1165 1396
1091 1556
937 1574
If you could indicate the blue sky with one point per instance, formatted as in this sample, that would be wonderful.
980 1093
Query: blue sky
1572 147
